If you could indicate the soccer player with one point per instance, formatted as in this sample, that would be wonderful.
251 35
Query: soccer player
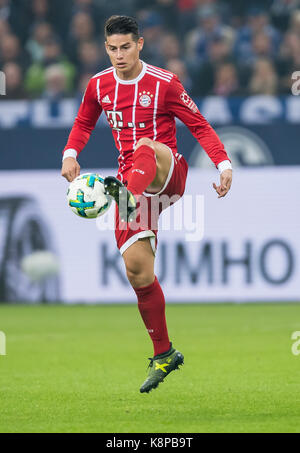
140 102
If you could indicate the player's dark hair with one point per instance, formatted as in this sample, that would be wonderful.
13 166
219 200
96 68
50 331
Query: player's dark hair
121 25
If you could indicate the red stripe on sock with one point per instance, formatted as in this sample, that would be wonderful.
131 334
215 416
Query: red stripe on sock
151 304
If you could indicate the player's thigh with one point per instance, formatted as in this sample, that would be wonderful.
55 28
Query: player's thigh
163 164
139 260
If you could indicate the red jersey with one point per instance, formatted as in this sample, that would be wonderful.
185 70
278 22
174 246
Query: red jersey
143 107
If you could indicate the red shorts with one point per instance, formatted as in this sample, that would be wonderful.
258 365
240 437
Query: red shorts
150 207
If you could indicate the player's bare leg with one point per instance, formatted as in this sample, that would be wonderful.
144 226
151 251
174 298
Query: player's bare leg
139 263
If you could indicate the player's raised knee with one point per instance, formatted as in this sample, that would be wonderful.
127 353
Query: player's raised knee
134 268
144 141
138 279
137 273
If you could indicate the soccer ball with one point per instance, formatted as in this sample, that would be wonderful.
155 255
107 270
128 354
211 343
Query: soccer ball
86 196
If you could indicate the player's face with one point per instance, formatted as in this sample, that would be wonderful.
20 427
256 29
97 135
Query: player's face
124 52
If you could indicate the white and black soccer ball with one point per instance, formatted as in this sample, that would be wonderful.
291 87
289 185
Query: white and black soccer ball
86 196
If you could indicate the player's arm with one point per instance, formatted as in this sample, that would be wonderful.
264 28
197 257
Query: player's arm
85 122
183 107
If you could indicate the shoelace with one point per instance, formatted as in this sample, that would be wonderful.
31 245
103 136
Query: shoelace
151 362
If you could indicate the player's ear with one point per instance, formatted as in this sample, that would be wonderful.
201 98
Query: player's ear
140 43
106 46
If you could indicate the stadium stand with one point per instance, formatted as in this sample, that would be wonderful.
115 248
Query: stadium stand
227 48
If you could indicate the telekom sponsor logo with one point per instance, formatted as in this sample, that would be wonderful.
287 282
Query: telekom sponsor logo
115 118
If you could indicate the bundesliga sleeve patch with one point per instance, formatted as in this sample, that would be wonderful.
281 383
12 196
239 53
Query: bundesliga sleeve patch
188 102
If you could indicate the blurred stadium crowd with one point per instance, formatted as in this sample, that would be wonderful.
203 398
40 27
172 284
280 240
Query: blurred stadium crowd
50 48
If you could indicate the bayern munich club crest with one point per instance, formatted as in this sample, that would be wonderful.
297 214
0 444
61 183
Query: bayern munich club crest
145 98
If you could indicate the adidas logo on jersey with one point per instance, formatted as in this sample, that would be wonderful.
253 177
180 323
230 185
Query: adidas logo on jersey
106 99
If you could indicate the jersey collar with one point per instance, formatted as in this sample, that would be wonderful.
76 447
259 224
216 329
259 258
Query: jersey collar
133 81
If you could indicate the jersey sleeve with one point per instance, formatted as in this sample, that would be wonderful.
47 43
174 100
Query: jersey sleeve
86 119
183 107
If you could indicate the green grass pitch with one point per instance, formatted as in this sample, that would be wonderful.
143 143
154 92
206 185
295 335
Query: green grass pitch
79 368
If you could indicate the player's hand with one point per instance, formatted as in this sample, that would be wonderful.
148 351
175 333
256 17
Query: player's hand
70 169
225 183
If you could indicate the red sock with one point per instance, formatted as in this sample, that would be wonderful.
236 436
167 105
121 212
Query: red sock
151 304
143 170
